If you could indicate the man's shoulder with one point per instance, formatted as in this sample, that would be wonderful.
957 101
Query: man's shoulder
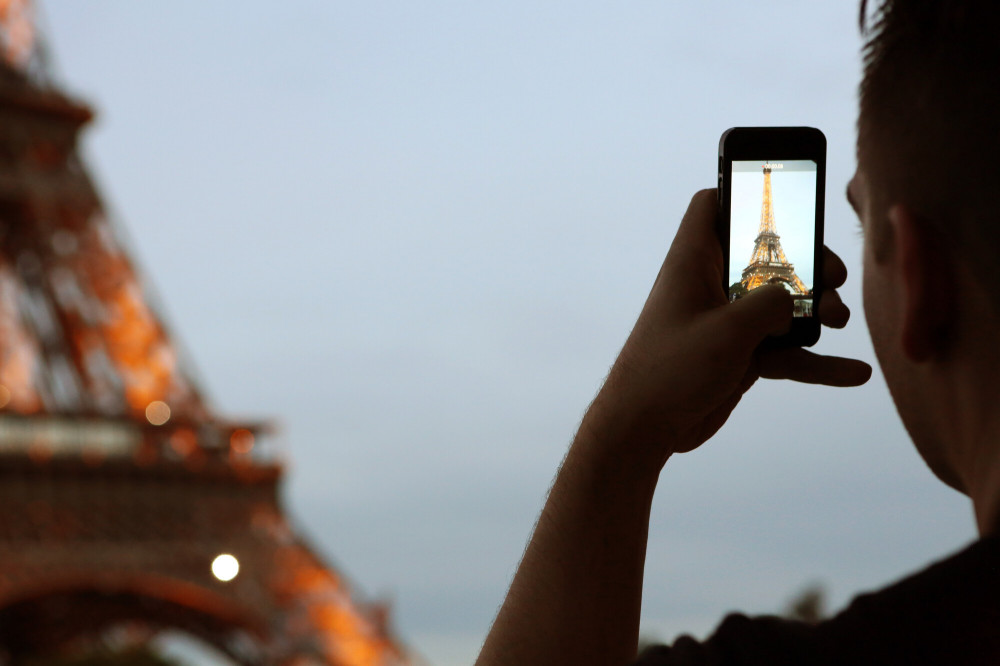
739 640
948 613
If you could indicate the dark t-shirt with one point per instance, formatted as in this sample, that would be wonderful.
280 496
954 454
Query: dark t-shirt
947 614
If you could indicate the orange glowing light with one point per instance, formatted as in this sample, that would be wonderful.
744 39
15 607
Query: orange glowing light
129 333
183 441
241 441
18 349
157 412
18 31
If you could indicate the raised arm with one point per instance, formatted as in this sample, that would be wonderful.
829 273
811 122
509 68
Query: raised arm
577 593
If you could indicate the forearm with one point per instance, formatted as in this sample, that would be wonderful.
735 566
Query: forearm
577 593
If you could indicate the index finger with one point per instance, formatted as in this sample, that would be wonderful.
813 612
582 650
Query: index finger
834 270
696 241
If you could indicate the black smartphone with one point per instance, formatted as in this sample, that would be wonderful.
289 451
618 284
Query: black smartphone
771 197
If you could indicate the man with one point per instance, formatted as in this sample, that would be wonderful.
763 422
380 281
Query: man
925 193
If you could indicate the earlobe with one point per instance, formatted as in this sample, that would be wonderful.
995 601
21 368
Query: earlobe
925 277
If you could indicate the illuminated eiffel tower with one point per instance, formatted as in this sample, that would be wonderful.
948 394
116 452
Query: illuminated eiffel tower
128 503
768 264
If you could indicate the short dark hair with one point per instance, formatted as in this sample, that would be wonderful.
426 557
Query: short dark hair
929 121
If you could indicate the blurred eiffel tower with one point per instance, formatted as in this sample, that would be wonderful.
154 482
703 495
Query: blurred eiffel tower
127 502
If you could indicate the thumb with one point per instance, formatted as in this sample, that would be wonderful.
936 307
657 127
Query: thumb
762 312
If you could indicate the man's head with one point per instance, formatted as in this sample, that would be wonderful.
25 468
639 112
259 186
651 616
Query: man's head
926 191
929 122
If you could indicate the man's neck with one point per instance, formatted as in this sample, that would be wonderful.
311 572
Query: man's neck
984 488
970 425
969 391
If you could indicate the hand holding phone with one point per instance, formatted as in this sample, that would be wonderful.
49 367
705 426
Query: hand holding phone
771 197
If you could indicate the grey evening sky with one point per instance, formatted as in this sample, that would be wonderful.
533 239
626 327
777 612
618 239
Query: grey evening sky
418 233
793 205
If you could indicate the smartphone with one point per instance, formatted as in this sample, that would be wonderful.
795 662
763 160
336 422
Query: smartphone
771 197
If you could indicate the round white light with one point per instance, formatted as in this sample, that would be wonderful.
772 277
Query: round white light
157 412
225 567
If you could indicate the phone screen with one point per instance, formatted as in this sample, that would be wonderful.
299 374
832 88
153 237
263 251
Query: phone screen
772 232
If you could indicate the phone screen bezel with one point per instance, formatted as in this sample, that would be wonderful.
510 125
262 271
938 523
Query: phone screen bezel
776 143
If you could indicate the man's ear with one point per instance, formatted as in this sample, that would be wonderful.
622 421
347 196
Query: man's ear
926 283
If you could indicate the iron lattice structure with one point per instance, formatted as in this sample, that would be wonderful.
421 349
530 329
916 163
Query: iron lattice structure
119 484
768 263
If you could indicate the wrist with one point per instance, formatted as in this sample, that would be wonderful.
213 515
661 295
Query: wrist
610 446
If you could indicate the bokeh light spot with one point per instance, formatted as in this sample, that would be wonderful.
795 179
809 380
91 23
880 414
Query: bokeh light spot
157 412
183 441
225 567
241 440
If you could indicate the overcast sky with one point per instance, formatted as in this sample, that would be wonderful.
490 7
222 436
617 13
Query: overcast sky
417 235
